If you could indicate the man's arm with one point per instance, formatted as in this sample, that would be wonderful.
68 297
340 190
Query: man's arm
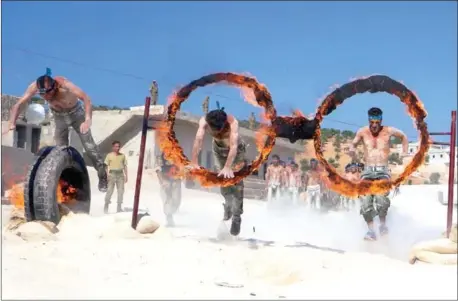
125 168
233 143
81 95
358 138
107 163
198 141
400 134
268 175
31 91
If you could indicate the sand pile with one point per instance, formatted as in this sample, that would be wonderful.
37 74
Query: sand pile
439 251
80 226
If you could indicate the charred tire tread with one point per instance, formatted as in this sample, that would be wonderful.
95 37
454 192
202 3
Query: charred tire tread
28 185
46 182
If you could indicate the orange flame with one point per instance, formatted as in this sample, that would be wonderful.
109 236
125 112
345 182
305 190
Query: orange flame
168 143
415 109
65 193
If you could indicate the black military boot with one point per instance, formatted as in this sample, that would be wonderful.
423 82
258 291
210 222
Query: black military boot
227 212
235 226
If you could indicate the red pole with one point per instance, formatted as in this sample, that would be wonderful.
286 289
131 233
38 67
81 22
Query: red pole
140 163
451 174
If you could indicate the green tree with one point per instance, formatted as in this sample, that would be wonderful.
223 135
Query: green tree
347 135
409 182
394 158
333 162
337 157
434 178
427 159
395 140
305 165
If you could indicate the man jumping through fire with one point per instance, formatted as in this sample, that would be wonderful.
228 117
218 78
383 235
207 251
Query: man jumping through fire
63 99
274 179
376 141
170 188
229 152
313 185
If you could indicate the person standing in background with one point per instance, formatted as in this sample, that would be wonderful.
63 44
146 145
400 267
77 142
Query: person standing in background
116 163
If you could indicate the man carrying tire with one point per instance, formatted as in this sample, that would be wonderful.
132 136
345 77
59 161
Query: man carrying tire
63 99
116 163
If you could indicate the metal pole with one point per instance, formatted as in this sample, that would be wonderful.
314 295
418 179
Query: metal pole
451 174
140 162
439 133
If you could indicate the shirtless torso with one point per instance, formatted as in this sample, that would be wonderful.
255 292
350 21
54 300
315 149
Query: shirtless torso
376 148
274 174
295 178
312 178
63 98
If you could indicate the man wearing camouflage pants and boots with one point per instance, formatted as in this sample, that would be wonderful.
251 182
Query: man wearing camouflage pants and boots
63 99
229 152
117 175
170 188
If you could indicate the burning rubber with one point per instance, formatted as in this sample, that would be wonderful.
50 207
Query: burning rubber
55 168
372 84
169 144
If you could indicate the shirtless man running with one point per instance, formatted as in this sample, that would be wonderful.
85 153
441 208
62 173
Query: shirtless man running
229 152
63 100
274 178
313 185
352 174
376 140
294 182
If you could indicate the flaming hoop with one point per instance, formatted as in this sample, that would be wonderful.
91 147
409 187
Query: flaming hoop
168 142
372 84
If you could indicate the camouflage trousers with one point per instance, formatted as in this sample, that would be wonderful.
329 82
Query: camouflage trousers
373 205
233 195
170 195
75 117
115 178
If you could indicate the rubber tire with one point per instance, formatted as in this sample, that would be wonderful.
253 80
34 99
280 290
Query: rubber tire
45 203
28 185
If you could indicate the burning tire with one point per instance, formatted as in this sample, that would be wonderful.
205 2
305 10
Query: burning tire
28 185
54 166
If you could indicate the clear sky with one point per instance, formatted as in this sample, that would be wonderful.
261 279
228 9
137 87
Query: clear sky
298 49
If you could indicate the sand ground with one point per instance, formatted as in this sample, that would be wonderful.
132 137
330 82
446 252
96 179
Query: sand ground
99 257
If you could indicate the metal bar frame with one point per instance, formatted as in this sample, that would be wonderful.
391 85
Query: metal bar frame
141 158
451 168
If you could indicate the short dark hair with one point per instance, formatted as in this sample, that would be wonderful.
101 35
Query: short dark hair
115 142
276 157
43 80
216 119
374 112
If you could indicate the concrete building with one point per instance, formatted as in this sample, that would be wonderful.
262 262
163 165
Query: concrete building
125 126
438 154
25 136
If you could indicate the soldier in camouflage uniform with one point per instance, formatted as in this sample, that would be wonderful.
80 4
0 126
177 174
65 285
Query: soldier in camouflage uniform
229 153
170 188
